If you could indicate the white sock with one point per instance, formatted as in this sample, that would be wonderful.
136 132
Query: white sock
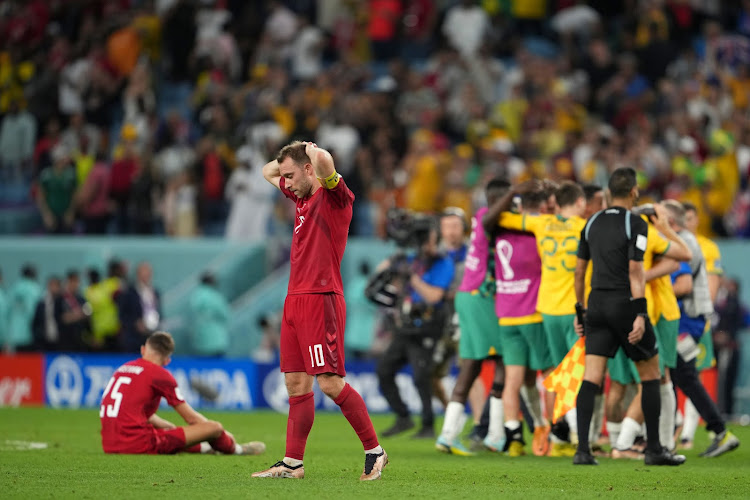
690 422
496 430
377 450
530 395
237 449
292 462
667 415
453 413
572 418
628 432
613 429
597 419
206 448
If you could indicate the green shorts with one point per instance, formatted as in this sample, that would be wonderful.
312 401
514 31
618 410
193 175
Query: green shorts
561 335
666 340
622 369
705 359
525 345
480 333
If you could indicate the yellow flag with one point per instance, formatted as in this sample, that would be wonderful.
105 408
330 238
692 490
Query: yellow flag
566 379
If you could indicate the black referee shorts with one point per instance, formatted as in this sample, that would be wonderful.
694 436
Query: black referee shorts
609 320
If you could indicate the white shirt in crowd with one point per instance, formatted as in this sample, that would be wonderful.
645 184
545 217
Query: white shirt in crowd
465 28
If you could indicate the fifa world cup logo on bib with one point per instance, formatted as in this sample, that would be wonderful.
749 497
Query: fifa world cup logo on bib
504 253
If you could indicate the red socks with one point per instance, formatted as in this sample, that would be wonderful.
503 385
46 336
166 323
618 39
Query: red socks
196 448
223 443
298 424
353 407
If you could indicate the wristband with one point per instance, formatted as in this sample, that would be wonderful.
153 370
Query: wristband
640 305
580 313
331 181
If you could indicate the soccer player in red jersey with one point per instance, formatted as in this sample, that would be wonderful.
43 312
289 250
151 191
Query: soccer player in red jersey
312 329
129 403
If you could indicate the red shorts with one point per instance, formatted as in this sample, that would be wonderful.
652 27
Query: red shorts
169 441
146 441
312 334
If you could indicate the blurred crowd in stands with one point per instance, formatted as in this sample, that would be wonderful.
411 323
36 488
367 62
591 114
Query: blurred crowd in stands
155 116
112 313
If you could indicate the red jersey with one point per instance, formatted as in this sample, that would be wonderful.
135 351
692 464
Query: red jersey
132 395
321 228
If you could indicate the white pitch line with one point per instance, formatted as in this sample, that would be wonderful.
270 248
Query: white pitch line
16 445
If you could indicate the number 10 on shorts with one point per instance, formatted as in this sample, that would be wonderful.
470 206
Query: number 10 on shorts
316 355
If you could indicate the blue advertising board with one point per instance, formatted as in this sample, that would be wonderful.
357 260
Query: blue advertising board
78 380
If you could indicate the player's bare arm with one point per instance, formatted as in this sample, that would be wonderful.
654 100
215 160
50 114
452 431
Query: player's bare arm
431 294
322 163
637 292
714 280
491 219
271 172
579 285
662 267
160 423
683 285
679 249
189 415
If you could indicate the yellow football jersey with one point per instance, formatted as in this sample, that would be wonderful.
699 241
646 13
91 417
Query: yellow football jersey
557 241
711 254
656 245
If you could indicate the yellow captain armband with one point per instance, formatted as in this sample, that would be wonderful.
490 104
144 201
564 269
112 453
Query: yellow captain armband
331 181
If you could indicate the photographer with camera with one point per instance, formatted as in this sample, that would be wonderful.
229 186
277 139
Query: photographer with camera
412 286
453 228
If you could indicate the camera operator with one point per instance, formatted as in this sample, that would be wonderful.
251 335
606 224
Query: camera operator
453 228
413 287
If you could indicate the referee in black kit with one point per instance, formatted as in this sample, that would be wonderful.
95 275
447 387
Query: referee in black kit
615 240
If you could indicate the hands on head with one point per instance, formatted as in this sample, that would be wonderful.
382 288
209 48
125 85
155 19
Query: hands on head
661 219
529 186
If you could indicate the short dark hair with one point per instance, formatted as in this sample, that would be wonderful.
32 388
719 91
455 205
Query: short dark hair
568 193
689 206
549 187
114 267
622 181
498 183
28 271
208 278
294 150
72 274
532 200
498 186
94 275
161 342
590 190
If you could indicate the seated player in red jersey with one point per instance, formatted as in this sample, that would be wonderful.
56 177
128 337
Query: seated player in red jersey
129 404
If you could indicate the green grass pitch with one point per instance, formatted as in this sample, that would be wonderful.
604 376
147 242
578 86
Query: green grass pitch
73 466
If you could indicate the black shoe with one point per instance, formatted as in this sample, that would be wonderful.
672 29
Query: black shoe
663 457
561 430
584 458
402 424
425 433
514 435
